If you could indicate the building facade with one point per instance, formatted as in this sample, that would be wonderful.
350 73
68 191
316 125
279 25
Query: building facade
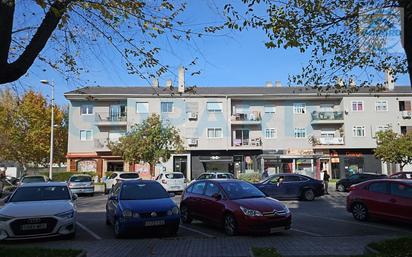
240 129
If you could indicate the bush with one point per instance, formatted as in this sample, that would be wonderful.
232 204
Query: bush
64 176
265 252
250 177
400 247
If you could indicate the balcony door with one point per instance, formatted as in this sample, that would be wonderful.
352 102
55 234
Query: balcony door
241 137
117 112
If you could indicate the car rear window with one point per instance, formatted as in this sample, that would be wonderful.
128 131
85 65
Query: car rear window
80 179
129 175
174 175
33 179
143 191
224 176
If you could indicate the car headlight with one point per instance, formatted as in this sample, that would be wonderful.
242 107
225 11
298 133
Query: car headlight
286 209
173 211
249 212
66 214
4 218
127 213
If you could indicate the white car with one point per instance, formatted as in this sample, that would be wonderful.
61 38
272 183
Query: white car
37 210
119 176
172 182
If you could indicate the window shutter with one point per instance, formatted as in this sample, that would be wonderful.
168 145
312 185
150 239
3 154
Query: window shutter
407 105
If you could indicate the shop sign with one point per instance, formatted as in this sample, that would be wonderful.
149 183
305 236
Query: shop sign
300 152
353 154
334 160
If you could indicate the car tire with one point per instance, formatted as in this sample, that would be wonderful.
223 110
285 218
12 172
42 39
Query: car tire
340 188
106 191
185 215
230 225
359 211
308 195
108 223
118 233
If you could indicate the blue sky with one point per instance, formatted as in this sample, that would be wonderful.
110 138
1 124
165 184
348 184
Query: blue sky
235 59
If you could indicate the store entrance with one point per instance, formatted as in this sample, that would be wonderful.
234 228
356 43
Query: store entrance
180 164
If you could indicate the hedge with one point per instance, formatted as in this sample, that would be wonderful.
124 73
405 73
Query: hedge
251 177
64 176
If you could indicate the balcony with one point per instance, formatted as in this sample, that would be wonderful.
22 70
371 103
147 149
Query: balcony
406 114
111 119
330 141
247 143
327 117
253 118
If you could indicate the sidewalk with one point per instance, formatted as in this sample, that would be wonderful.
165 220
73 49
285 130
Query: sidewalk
218 247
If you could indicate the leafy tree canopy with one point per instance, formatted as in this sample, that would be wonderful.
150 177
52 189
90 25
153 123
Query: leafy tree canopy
394 148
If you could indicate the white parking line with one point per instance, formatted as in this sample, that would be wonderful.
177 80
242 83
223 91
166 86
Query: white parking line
88 231
305 232
196 231
356 223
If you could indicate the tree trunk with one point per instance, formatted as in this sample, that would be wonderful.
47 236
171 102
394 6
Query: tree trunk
407 34
152 169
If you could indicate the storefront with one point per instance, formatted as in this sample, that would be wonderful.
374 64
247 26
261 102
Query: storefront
346 162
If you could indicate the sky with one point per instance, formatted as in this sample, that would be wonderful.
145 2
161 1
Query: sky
224 59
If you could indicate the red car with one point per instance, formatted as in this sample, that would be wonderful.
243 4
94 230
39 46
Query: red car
384 198
236 205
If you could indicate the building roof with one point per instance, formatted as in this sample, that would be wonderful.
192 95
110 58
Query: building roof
97 91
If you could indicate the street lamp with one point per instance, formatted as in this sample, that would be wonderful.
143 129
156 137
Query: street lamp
46 82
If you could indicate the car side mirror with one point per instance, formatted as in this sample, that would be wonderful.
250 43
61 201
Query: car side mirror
113 198
172 194
74 197
217 196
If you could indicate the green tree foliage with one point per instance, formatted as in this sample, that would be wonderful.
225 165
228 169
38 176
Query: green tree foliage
394 148
25 129
346 39
75 28
150 141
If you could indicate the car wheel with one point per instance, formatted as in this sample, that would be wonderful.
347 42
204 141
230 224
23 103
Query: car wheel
308 195
341 188
359 212
118 233
230 225
108 223
185 215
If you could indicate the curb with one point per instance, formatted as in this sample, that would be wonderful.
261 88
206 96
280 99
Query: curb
370 250
82 254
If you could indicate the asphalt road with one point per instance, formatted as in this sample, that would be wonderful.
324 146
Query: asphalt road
324 217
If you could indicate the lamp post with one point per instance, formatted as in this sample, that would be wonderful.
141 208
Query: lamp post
46 82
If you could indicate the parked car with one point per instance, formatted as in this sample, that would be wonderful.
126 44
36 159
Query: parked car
384 198
172 182
119 176
37 210
291 186
33 179
81 184
215 175
343 185
402 175
138 205
235 205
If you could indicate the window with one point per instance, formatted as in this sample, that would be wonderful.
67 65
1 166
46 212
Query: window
142 107
270 133
401 190
359 131
404 105
357 106
382 128
86 109
198 188
214 107
214 133
299 108
381 106
211 189
300 132
270 109
380 187
292 179
242 109
166 106
86 135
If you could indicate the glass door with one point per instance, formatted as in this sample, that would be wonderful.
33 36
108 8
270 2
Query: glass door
242 136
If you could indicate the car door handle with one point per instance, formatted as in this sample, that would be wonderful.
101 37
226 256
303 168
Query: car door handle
392 200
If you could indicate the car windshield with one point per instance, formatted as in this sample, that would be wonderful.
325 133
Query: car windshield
241 190
129 175
143 191
174 175
80 179
33 179
41 193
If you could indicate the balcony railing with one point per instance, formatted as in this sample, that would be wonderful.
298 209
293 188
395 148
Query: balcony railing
246 118
254 142
331 141
111 118
327 117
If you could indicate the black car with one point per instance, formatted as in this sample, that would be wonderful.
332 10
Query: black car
344 184
291 186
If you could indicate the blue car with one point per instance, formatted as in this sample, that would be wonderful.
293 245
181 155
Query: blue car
140 205
291 186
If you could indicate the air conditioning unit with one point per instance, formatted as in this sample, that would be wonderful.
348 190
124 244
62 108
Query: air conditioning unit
406 114
192 141
192 115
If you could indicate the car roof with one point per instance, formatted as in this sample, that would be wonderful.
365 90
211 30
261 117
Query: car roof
42 184
407 181
33 176
216 172
79 175
139 181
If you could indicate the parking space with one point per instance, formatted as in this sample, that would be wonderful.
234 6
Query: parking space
324 217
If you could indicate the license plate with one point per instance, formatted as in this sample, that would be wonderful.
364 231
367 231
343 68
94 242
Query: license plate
33 226
154 223
276 230
175 187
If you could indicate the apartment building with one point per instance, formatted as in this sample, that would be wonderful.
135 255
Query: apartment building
240 129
